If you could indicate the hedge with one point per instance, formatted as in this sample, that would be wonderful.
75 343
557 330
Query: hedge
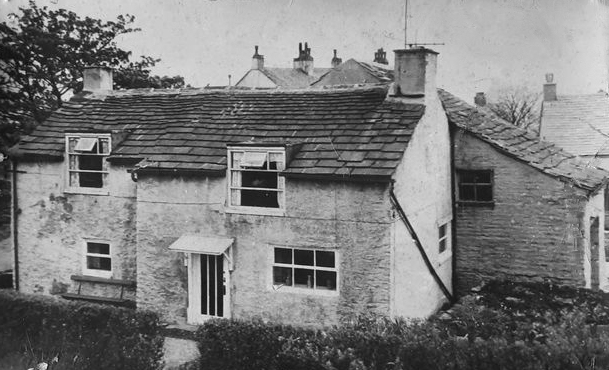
82 335
471 335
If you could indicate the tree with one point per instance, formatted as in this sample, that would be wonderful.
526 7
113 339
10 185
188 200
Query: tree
44 53
518 106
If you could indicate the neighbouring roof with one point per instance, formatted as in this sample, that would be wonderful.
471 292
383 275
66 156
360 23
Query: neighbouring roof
353 133
356 72
579 123
292 78
522 144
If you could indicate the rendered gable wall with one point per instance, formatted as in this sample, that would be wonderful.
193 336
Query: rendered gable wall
538 228
53 224
254 78
423 188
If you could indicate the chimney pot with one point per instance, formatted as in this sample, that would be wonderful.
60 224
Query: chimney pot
415 72
549 88
336 61
97 78
380 56
304 62
480 99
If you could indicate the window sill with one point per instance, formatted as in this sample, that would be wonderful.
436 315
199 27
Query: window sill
444 256
260 211
88 191
304 291
472 203
97 274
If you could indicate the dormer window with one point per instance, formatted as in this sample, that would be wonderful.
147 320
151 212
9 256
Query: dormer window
87 168
254 184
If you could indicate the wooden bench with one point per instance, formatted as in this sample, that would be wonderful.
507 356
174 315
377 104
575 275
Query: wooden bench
97 280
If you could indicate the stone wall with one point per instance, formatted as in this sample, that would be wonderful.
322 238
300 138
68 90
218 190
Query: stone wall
536 230
351 219
53 226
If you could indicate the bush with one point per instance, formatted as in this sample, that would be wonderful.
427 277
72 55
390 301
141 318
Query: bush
471 335
84 336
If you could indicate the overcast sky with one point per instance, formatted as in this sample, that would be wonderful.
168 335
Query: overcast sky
488 44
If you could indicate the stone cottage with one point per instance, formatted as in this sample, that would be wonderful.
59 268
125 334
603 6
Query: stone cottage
525 208
300 206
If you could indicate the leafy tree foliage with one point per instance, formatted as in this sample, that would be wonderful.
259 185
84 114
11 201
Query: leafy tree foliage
518 106
44 53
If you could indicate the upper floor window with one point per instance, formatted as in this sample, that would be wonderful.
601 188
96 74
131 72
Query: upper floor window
254 183
443 240
475 186
87 165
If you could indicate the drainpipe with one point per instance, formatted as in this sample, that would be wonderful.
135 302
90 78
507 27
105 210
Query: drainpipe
15 211
417 242
452 132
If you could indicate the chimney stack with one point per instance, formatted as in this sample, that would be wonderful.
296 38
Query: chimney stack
480 99
304 62
97 78
549 88
381 56
336 61
257 59
415 72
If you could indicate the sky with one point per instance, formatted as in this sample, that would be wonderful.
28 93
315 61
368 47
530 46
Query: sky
488 45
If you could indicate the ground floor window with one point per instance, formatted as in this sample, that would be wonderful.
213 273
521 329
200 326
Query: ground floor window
305 268
98 261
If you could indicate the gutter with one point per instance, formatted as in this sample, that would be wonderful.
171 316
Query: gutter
417 242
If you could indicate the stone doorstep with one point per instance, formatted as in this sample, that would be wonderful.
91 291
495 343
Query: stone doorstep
180 354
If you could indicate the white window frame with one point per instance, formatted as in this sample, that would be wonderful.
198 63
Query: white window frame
447 253
105 171
233 181
302 290
96 272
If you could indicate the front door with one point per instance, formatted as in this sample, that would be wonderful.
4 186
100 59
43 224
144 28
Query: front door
208 294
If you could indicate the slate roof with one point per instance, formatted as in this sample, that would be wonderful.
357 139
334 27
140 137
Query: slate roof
345 73
293 78
352 134
522 145
579 123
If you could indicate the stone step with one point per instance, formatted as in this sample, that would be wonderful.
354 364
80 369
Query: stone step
180 354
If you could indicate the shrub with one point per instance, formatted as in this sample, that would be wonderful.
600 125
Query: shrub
470 336
84 336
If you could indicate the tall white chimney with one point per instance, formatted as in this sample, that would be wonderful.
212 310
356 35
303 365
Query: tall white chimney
257 59
415 72
97 78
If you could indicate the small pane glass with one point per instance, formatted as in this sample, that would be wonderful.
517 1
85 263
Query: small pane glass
98 248
282 276
283 255
99 263
325 280
324 259
442 231
304 278
303 257
484 193
467 192
442 247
